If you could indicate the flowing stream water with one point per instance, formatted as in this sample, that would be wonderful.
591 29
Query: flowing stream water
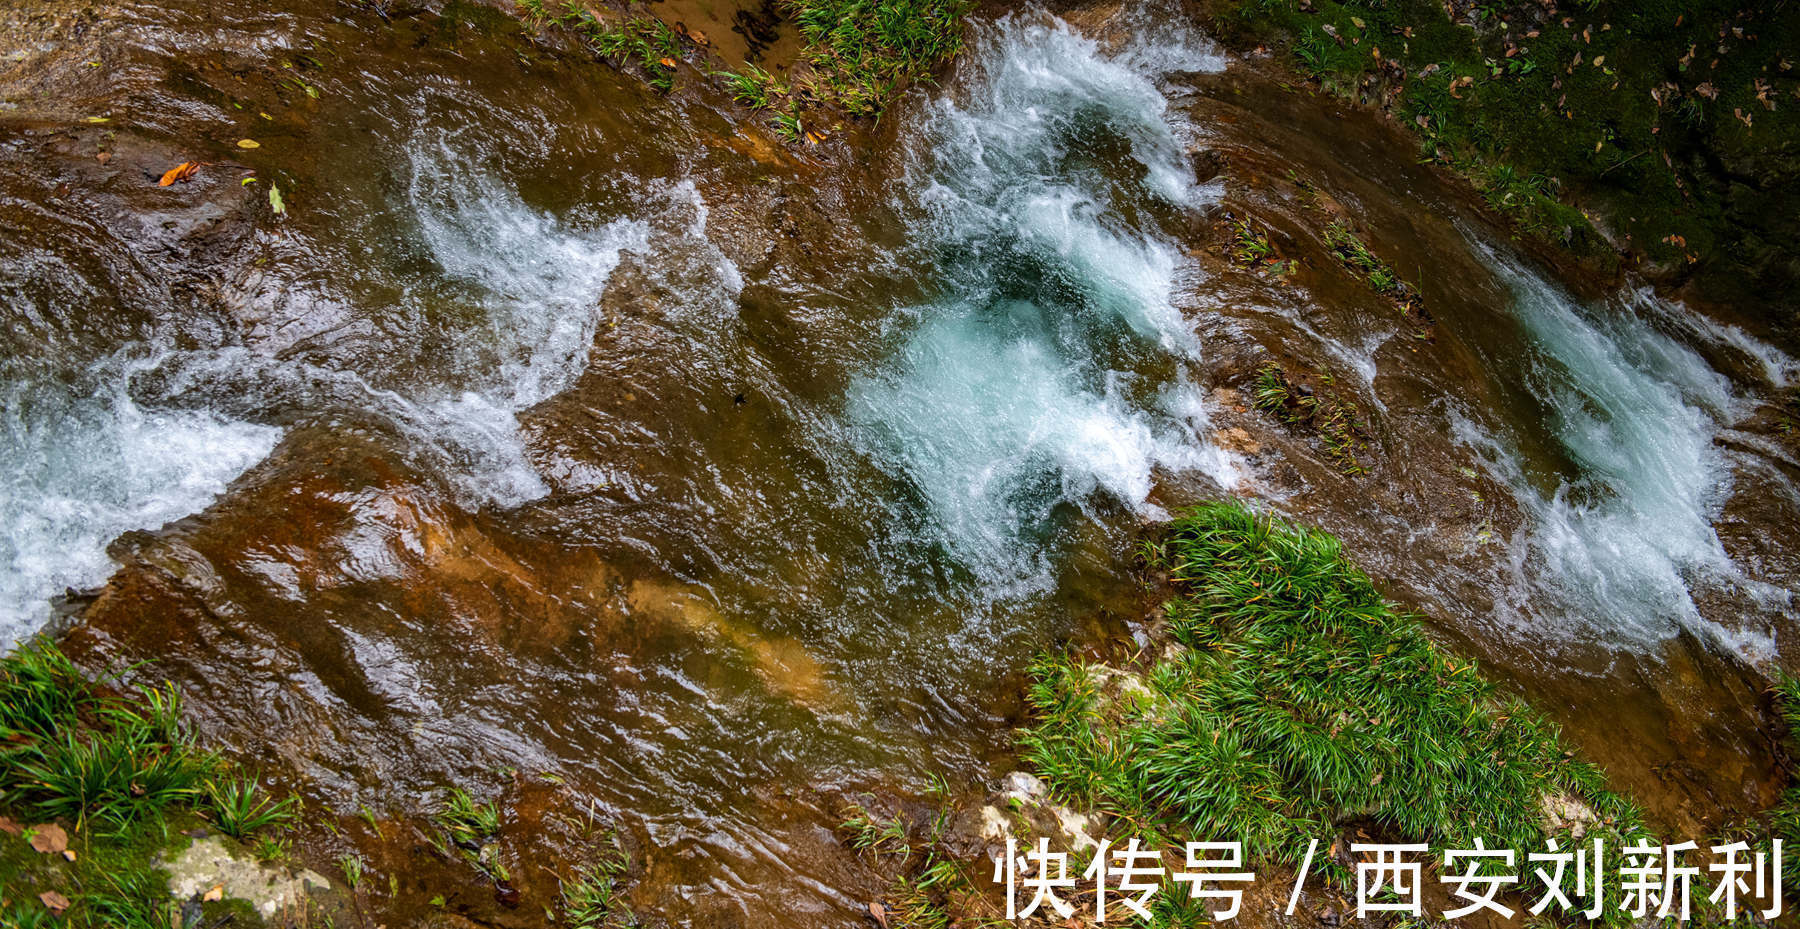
536 468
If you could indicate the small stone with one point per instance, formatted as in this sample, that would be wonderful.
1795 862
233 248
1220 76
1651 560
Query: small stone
1020 785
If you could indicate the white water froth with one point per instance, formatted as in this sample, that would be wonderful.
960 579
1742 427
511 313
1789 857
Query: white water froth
1777 369
86 469
1635 411
1023 389
539 276
81 470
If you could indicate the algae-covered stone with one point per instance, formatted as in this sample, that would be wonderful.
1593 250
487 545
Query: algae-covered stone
211 862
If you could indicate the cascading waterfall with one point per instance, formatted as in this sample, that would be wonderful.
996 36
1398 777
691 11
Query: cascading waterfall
1055 362
1624 541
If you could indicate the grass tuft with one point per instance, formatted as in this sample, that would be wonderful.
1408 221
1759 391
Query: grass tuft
863 52
1334 419
648 42
590 898
754 87
1300 700
240 806
123 771
870 833
1354 255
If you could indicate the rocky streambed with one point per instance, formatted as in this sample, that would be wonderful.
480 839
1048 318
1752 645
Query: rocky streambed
676 487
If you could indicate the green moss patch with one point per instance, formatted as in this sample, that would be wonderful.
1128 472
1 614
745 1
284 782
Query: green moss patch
1298 699
1681 120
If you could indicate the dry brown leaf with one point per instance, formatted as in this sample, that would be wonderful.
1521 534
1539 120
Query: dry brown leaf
49 838
55 901
878 912
9 827
214 895
180 172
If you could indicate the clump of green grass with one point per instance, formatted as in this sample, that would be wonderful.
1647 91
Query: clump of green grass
240 806
787 126
646 41
468 829
1250 247
72 754
1354 255
1301 699
534 13
754 87
40 689
120 768
590 897
863 52
352 867
468 823
870 833
1324 412
935 888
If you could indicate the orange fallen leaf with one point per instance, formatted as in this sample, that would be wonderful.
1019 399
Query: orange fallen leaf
69 854
214 895
49 838
55 901
699 38
180 172
666 62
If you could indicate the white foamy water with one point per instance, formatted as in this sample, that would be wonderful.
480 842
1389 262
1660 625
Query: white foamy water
1052 371
83 469
538 276
87 468
1625 542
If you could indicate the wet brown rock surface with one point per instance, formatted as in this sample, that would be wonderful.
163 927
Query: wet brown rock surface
688 633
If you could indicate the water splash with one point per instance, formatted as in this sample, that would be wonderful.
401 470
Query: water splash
1055 368
160 437
535 277
83 469
1624 534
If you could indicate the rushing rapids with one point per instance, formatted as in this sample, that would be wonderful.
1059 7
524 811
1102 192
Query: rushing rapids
557 435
